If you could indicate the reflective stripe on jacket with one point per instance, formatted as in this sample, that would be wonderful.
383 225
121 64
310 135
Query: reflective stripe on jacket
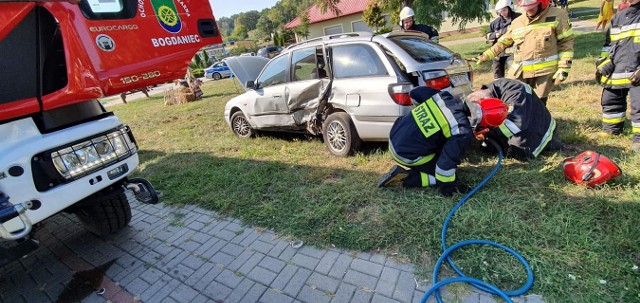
437 128
623 45
529 124
546 40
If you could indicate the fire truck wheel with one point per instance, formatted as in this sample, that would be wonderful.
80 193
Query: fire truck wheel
105 212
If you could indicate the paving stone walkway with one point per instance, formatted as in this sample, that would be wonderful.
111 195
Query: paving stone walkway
193 255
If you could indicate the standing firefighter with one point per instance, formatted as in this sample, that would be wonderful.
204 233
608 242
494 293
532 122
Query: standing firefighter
497 28
618 71
542 39
407 22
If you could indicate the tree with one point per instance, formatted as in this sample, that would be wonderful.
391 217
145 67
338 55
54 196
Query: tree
198 61
225 26
330 5
248 19
277 39
303 28
240 32
430 11
265 26
373 17
205 59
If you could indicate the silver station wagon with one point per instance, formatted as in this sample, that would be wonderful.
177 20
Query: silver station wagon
349 88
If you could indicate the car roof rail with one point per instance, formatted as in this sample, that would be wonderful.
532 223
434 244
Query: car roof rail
330 37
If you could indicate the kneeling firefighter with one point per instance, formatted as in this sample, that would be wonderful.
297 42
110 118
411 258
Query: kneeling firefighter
432 140
529 128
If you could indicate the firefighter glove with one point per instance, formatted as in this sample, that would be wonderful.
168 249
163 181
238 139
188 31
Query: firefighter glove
635 78
598 76
481 134
561 74
605 66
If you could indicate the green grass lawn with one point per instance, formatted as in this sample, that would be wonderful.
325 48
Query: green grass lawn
582 243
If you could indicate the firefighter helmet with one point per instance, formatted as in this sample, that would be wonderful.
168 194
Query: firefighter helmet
524 5
590 168
502 4
490 112
405 13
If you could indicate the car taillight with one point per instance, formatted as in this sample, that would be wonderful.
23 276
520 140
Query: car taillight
438 83
436 79
400 93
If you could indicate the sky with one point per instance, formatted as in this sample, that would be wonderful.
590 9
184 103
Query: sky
226 8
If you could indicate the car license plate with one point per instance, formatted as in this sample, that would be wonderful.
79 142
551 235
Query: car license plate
459 80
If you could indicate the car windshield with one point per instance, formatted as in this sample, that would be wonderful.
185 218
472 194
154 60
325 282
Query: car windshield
421 50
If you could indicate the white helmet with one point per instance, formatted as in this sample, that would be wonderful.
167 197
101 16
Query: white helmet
502 4
405 13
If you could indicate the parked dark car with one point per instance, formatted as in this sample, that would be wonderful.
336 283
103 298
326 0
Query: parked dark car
269 51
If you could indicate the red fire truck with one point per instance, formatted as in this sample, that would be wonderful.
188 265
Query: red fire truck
60 149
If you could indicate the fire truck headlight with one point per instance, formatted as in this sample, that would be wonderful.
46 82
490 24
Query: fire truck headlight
90 155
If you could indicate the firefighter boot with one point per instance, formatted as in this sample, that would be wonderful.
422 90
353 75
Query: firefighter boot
395 175
554 145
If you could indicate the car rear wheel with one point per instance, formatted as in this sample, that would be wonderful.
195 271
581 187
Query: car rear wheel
217 76
340 135
240 126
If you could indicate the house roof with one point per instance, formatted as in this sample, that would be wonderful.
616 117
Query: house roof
346 7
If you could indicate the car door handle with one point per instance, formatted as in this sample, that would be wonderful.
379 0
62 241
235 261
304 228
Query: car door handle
277 95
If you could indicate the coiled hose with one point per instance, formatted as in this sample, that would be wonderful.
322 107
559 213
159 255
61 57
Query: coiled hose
479 284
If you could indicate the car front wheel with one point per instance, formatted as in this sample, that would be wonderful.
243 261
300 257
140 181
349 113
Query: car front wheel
240 126
216 76
340 135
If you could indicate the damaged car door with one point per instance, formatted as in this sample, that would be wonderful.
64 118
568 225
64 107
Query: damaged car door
269 108
309 80
287 92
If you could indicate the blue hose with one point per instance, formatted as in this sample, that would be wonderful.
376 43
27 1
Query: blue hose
488 288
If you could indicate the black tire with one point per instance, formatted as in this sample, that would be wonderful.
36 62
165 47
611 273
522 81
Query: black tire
240 125
217 76
340 135
105 212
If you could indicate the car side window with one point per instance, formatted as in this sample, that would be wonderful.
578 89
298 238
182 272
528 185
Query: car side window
356 60
303 64
274 73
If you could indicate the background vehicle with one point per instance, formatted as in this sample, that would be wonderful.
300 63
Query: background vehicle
269 51
217 71
61 150
349 87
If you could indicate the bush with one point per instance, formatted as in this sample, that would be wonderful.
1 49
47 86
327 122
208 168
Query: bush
198 72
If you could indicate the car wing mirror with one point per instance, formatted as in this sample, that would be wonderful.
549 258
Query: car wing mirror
251 85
